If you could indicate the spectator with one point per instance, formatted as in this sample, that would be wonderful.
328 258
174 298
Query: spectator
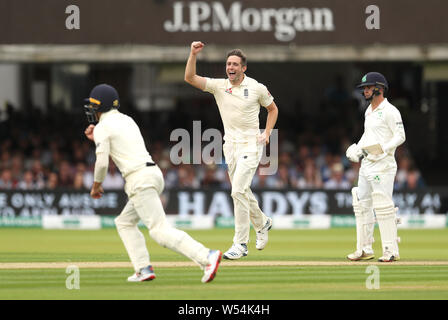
325 169
6 181
52 182
17 168
113 179
78 181
352 173
65 174
337 179
282 178
88 177
168 174
303 154
27 182
311 176
186 177
38 174
210 180
261 180
404 165
223 177
413 180
5 160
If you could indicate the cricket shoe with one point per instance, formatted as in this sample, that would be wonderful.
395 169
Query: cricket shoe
262 235
360 256
389 257
214 258
145 274
236 251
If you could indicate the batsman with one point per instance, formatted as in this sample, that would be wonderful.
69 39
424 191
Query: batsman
383 133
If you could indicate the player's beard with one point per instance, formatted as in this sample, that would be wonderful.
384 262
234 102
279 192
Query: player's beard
368 99
236 77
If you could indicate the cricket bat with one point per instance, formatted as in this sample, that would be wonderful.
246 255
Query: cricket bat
374 149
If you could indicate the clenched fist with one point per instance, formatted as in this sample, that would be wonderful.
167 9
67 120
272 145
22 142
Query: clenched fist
196 47
89 132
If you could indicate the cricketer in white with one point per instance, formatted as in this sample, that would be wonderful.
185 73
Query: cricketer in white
383 133
118 136
239 99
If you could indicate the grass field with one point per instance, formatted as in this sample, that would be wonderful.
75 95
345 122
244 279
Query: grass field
296 265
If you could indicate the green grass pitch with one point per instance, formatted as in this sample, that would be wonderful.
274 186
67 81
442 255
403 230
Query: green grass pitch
238 280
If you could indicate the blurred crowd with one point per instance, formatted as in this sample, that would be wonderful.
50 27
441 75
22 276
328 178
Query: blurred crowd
47 153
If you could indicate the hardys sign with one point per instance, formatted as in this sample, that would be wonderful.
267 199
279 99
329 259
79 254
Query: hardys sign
214 203
297 202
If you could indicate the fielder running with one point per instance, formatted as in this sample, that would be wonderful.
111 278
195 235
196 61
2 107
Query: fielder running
383 133
239 99
118 136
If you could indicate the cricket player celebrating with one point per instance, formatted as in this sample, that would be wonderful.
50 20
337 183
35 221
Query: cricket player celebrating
383 133
239 99
118 136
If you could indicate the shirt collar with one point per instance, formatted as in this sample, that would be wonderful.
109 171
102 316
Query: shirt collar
381 106
106 114
244 82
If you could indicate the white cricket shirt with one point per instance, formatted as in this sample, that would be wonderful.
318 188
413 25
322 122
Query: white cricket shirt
239 106
384 126
119 136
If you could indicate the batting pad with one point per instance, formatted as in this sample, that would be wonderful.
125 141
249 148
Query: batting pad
386 216
365 222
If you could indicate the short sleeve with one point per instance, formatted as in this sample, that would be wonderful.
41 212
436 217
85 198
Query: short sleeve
211 85
265 97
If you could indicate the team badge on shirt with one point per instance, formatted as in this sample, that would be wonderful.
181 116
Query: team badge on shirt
229 90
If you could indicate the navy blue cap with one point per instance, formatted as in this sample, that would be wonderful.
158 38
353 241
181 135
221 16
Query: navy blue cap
105 97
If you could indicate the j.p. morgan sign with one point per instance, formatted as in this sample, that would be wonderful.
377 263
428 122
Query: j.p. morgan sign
218 22
284 23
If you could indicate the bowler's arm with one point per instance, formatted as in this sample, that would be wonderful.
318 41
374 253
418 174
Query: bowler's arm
190 70
270 123
272 117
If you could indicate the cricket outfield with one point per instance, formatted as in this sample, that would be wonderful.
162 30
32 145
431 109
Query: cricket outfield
296 265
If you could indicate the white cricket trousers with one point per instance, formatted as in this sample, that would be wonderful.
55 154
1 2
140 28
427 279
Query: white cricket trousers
242 160
375 182
143 188
368 183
